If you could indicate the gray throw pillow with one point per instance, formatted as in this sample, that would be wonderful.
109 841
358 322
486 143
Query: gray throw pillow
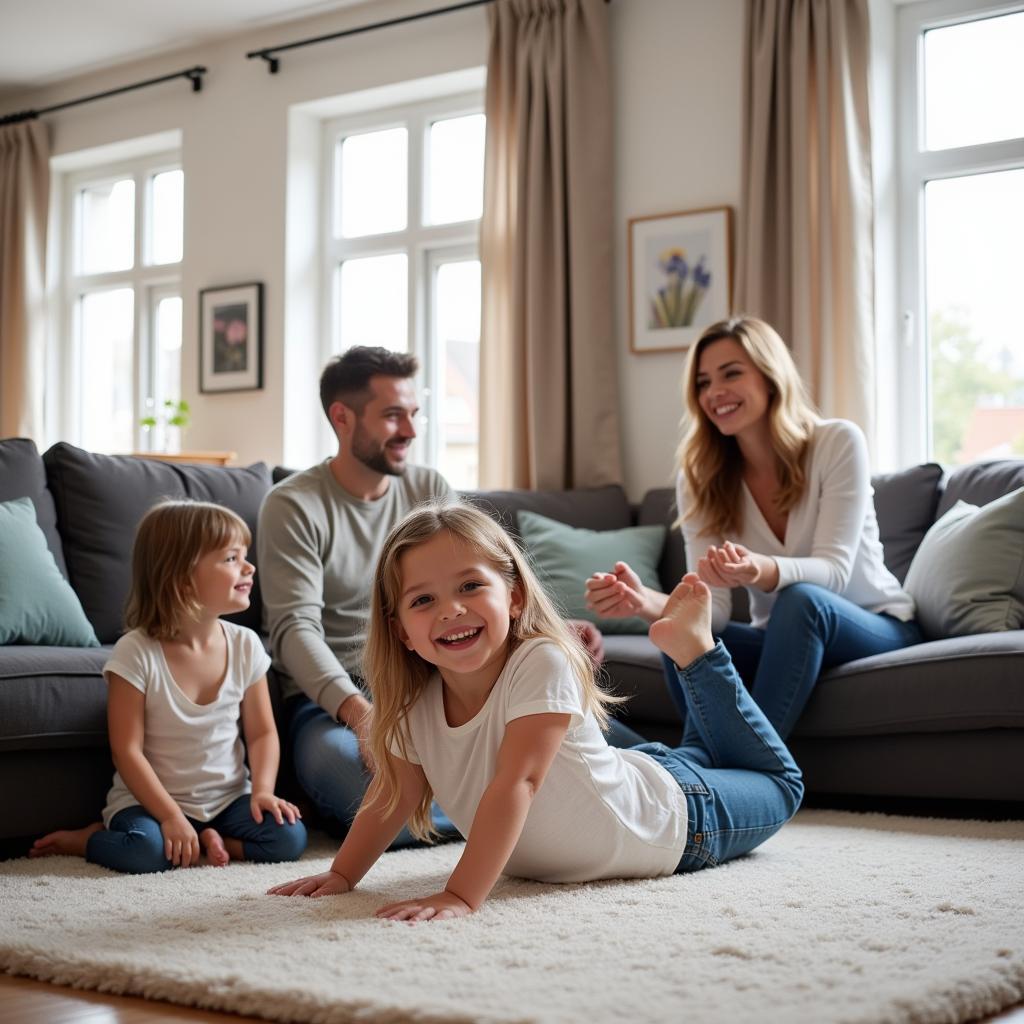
565 556
968 574
100 500
37 605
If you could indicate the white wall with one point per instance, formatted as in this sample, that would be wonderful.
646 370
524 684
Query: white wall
678 112
677 87
235 157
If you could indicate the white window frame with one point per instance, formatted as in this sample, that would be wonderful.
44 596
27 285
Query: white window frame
149 283
425 245
918 166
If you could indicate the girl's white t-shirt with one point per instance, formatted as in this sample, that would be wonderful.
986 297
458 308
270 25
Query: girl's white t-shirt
601 812
831 534
195 749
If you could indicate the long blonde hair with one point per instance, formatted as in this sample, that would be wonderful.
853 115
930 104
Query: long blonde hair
397 676
170 540
711 462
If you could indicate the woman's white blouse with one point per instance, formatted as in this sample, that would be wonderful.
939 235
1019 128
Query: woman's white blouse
831 533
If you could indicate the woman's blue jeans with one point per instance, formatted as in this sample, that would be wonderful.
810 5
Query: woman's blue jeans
134 843
810 630
741 783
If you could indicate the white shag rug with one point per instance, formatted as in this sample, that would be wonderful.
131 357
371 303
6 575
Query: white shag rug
840 917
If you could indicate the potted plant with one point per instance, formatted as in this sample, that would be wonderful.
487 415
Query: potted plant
167 424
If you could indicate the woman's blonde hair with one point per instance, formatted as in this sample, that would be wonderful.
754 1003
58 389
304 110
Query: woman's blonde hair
397 676
711 461
170 540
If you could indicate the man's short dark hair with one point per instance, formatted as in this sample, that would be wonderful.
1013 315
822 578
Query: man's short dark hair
346 378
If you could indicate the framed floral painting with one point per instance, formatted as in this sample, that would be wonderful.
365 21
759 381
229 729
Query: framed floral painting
231 338
680 277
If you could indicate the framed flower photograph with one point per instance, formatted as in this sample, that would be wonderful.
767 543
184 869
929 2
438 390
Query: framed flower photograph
680 277
231 338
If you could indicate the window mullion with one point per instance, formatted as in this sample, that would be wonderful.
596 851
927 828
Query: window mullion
982 159
917 167
426 246
911 334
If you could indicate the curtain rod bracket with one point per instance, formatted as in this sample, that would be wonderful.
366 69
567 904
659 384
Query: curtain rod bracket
273 63
195 76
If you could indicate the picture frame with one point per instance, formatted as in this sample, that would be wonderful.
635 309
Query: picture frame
231 338
680 277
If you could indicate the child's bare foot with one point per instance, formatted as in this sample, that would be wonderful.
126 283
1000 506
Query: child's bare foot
65 842
216 852
684 630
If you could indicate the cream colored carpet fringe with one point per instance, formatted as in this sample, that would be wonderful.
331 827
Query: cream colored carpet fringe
841 917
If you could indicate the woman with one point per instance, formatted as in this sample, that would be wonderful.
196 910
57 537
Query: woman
777 500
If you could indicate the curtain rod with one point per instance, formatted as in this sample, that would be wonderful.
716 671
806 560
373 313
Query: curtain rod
194 75
274 63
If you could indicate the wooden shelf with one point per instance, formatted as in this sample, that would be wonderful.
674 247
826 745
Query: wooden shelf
204 458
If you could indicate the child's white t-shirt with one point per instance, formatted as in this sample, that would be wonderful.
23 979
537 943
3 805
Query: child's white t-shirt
195 749
600 812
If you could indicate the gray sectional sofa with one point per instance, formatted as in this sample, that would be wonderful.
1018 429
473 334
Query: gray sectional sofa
943 720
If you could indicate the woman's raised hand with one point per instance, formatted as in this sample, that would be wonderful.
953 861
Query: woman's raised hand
615 595
733 565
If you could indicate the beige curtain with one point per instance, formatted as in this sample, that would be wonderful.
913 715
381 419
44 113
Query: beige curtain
806 256
549 406
24 195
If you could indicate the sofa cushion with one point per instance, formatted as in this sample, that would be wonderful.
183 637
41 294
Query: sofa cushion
23 475
37 605
564 556
593 508
981 482
100 500
52 697
966 683
659 506
633 668
968 574
905 504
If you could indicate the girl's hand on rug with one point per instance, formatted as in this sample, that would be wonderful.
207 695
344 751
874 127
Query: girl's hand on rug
181 842
442 906
280 809
327 883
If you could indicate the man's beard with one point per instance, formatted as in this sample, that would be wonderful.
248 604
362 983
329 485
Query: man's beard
373 455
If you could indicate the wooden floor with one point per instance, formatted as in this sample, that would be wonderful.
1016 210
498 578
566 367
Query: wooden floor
34 1002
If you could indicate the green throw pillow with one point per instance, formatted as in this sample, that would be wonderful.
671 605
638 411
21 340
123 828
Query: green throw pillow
37 605
564 557
968 574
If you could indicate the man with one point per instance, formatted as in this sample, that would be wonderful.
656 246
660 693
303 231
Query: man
320 534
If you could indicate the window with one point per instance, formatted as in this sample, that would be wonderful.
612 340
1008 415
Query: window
121 292
962 218
402 267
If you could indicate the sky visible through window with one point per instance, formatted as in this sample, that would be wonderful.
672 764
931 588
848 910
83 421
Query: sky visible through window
974 232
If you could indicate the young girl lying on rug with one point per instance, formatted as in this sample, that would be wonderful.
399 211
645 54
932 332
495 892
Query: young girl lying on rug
506 733
176 683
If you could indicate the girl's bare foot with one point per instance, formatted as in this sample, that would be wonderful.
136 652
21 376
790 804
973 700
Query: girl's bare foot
216 852
66 842
684 630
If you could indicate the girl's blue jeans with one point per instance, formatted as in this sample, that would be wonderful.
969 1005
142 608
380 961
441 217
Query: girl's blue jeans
810 629
134 843
741 783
